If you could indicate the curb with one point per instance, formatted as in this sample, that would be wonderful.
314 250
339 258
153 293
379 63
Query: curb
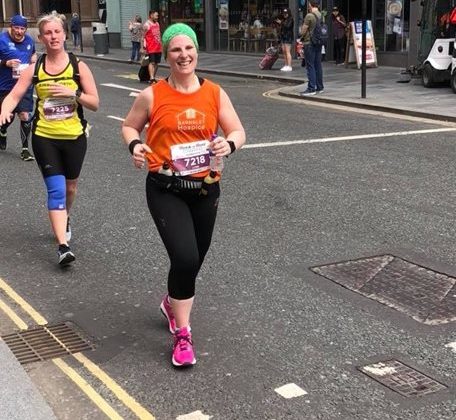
278 78
370 106
290 80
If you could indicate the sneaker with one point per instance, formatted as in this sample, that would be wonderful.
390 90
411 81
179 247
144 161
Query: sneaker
308 92
320 91
65 255
152 81
68 230
286 68
166 310
183 354
26 155
2 141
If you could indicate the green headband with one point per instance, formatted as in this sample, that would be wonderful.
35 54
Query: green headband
175 30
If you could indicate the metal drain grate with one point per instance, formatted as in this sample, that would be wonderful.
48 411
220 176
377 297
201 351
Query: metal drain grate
402 378
425 295
44 343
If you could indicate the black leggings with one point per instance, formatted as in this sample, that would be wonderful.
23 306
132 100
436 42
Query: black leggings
185 222
59 157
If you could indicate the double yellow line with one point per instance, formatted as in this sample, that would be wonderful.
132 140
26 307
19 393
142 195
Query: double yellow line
91 367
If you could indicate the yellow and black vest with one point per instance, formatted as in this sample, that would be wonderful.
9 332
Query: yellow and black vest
57 118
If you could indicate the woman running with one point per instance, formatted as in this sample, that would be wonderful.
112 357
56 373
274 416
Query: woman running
184 113
63 85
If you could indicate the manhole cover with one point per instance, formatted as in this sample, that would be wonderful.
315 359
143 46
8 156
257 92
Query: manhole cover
402 378
44 343
424 294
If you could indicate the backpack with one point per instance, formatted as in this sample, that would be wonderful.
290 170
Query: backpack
73 61
316 36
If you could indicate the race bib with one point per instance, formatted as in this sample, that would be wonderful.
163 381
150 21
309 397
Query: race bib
59 108
18 70
190 158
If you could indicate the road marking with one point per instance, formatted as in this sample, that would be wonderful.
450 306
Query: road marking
195 415
451 346
115 86
22 303
133 76
331 139
12 315
116 118
122 395
99 401
345 138
290 391
126 399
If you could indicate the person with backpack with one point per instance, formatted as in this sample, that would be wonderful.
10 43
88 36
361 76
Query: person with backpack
63 86
312 38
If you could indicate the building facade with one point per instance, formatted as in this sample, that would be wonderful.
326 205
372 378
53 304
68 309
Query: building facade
247 26
89 10
241 26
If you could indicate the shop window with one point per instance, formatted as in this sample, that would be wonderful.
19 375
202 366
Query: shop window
391 25
61 6
190 12
248 26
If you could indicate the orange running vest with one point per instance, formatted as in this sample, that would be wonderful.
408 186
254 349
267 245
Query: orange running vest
179 118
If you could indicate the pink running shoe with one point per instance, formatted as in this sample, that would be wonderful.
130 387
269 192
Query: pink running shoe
183 354
166 310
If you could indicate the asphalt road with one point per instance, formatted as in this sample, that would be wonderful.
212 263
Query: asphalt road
262 319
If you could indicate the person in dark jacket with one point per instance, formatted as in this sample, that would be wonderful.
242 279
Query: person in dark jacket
286 37
75 28
338 29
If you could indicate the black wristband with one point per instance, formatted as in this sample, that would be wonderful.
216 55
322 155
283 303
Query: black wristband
232 146
132 144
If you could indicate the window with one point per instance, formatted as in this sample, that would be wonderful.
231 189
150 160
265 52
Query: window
61 6
391 22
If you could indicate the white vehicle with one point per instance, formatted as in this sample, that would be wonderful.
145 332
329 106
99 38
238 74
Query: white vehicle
435 53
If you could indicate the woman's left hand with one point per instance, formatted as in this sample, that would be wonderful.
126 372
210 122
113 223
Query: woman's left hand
59 90
220 146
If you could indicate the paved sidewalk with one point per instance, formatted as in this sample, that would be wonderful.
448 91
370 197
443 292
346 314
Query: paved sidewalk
342 85
19 398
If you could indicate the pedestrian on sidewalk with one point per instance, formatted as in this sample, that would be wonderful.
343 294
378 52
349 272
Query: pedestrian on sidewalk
59 131
17 52
286 37
339 25
152 44
136 32
184 112
75 28
312 40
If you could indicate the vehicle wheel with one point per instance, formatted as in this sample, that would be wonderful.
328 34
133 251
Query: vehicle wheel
453 82
428 76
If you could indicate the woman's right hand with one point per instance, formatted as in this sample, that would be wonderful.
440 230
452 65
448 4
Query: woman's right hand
139 154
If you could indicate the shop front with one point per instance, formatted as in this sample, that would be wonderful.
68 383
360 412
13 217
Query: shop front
248 26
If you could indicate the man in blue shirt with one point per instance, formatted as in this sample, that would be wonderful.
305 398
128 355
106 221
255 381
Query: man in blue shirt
17 51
